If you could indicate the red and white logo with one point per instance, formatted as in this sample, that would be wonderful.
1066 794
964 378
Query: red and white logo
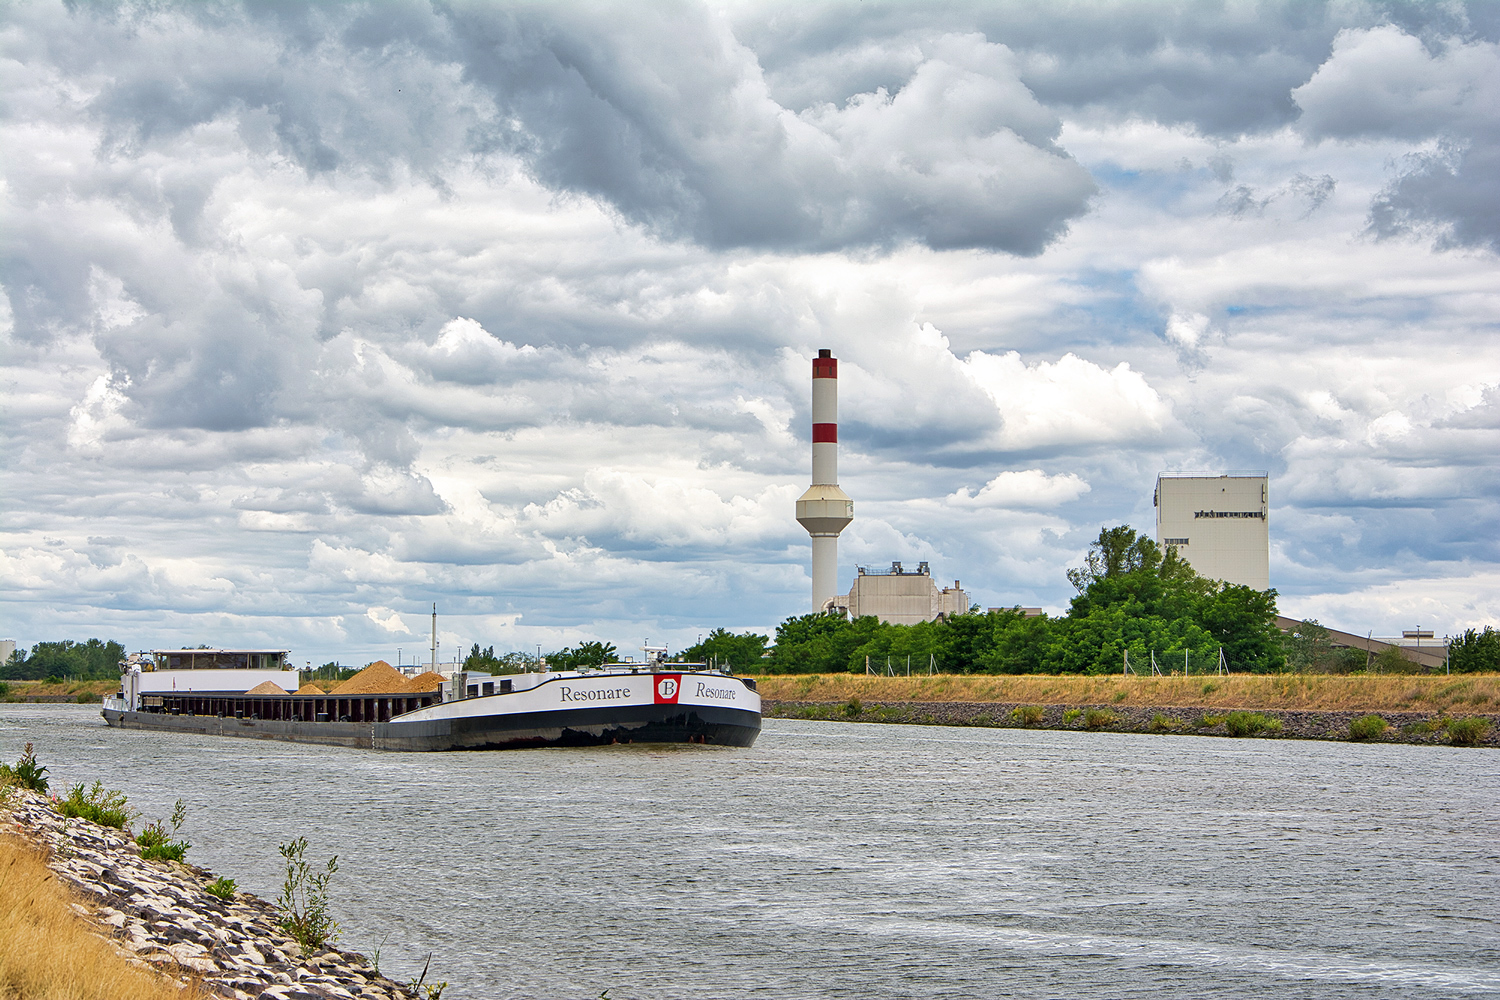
668 687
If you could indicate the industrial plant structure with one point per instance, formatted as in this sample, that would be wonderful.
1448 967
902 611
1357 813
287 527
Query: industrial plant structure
825 510
1217 523
900 596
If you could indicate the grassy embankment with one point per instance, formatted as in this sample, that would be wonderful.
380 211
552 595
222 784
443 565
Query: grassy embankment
1470 693
88 691
47 952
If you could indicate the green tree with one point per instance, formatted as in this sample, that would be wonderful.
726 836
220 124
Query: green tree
96 659
585 654
819 643
1475 652
721 646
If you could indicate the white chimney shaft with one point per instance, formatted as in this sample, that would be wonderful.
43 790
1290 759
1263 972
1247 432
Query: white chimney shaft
825 510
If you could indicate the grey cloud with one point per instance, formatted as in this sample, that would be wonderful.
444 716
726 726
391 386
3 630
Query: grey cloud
1387 82
658 111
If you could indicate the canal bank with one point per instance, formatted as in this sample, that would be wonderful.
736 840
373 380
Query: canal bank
1422 728
160 916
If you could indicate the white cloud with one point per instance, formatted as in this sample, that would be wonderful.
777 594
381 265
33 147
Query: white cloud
1028 488
1070 401
388 620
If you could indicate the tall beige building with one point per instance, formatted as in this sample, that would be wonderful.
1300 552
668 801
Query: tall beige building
1217 523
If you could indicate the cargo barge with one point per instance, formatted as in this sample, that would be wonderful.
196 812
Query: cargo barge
246 693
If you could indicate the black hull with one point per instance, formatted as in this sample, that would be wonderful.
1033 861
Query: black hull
575 728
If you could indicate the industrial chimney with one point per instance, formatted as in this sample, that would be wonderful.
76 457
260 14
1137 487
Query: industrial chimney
825 510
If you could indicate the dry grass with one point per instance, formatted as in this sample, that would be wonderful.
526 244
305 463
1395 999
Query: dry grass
1469 693
20 689
48 952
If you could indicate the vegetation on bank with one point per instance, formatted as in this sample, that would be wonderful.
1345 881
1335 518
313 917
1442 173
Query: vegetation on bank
1467 694
96 659
51 953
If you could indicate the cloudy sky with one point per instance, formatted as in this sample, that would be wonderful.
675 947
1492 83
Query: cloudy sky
312 318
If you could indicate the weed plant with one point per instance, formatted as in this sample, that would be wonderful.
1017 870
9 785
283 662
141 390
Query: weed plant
1250 724
1208 721
1099 718
853 707
105 806
1367 727
1161 723
1027 715
26 772
1120 696
1467 732
1071 715
156 841
304 898
222 887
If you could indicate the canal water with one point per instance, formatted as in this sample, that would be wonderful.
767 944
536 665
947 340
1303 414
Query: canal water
858 861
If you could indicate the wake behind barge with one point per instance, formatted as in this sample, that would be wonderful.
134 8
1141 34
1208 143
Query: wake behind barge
243 693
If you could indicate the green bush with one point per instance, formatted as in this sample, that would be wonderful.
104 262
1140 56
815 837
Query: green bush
1027 715
304 898
107 807
1423 727
1250 724
1099 718
89 698
222 887
1208 721
156 841
1367 727
1467 732
1071 715
853 707
26 772
1120 696
1160 723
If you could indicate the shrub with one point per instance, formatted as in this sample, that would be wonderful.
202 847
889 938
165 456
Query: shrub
1027 715
1160 723
304 898
1209 687
222 887
89 698
1071 715
1120 696
156 841
1099 718
1367 727
27 772
1423 727
1208 721
107 807
4 690
1467 732
853 707
1250 724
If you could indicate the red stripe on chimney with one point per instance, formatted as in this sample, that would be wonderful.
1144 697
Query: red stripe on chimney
825 367
825 433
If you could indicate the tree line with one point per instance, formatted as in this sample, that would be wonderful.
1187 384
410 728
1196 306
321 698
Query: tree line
1134 600
96 660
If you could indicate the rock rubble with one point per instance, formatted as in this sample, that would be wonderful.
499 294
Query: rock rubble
160 915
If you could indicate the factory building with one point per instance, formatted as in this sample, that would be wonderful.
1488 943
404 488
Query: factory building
1217 523
900 596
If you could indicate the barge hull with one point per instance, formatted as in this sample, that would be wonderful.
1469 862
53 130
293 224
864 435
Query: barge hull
567 728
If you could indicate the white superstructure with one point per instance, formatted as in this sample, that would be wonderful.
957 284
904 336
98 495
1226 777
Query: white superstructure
825 510
1218 523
